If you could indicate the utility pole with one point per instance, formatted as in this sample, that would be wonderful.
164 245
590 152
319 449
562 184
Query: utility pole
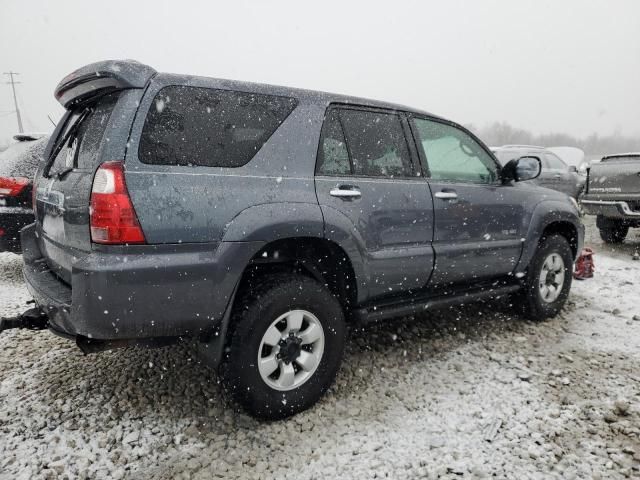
12 82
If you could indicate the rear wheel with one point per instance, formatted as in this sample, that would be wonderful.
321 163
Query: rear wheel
548 279
285 345
615 233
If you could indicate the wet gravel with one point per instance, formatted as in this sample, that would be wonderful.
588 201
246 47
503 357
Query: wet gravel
469 392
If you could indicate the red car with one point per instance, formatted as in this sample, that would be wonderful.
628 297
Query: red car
18 165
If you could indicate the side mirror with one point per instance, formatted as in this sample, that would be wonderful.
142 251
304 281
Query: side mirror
573 169
521 169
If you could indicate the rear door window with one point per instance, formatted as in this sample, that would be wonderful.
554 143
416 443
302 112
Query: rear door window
209 127
376 143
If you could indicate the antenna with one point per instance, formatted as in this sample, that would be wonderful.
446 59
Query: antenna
13 83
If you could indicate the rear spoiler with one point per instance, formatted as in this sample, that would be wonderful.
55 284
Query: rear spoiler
99 78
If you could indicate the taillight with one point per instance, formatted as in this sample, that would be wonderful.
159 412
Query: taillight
12 186
112 216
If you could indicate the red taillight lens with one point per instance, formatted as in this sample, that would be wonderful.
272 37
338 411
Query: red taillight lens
12 186
112 216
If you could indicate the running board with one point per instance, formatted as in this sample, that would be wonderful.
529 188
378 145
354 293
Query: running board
386 310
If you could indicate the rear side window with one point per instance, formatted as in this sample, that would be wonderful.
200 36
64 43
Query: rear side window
209 127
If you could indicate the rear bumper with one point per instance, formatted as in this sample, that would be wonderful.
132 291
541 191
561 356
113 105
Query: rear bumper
12 220
138 292
610 209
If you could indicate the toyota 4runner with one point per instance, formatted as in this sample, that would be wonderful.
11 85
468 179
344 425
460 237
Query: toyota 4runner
261 220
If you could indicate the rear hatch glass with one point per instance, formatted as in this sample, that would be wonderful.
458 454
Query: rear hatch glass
64 188
78 143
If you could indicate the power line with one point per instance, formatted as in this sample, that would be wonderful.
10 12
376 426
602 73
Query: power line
13 83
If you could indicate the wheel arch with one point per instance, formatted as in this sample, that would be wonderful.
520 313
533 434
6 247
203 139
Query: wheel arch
565 229
551 217
320 258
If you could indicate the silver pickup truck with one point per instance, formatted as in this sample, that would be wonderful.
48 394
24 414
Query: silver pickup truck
613 194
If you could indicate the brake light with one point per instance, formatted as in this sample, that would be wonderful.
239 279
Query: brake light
113 219
12 186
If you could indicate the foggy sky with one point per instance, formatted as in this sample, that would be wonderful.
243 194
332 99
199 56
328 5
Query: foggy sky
568 66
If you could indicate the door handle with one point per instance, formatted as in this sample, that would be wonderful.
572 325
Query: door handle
558 175
345 191
446 195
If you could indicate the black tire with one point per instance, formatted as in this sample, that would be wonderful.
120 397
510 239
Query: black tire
530 298
258 306
614 234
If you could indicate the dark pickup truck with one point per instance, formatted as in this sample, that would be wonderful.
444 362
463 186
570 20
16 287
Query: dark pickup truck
613 194
262 220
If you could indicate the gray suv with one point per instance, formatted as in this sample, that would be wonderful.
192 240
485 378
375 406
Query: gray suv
263 220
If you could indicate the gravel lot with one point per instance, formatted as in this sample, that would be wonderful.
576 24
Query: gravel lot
470 392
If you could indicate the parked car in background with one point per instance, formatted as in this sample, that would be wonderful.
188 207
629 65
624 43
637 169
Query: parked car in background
18 165
259 220
573 157
556 174
613 195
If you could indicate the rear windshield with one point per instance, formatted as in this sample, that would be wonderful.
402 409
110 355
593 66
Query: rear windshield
209 127
84 131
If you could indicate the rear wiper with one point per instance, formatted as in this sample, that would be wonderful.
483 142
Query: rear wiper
61 174
65 138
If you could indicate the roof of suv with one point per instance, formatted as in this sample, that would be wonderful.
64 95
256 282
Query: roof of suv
311 95
110 74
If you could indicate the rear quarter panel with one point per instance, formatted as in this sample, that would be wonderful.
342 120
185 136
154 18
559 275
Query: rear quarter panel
185 204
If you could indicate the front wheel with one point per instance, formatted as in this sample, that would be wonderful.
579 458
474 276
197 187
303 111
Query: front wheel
286 342
548 278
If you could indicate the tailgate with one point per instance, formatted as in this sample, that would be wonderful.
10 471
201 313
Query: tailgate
615 176
101 101
62 196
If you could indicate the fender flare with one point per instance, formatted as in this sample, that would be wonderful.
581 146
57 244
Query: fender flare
546 213
278 221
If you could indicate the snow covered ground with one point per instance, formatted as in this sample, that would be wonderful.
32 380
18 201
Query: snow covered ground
471 392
